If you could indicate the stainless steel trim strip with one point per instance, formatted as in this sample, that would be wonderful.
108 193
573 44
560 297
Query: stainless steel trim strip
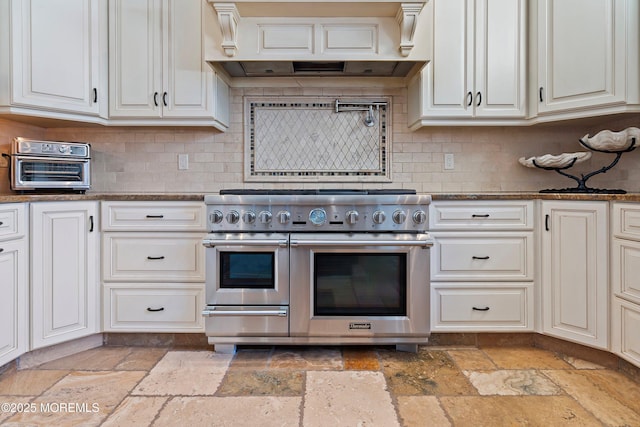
210 243
342 243
213 312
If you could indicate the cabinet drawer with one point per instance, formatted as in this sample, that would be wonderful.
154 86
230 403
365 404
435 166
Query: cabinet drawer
163 257
468 307
481 256
483 215
626 220
168 308
12 221
153 216
625 324
625 260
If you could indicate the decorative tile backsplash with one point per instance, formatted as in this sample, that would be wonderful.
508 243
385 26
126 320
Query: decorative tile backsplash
317 139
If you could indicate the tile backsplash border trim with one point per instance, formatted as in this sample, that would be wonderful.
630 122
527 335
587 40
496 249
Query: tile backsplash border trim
383 174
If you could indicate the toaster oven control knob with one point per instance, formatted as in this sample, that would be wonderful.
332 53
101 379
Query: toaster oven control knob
318 216
284 217
399 217
379 217
419 217
265 217
215 217
249 217
233 217
352 217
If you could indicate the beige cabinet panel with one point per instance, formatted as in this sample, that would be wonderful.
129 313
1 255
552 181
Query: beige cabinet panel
481 307
14 284
153 216
64 271
169 308
482 256
165 257
575 291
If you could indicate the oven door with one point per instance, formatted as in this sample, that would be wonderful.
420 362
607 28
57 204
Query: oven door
360 285
247 269
32 172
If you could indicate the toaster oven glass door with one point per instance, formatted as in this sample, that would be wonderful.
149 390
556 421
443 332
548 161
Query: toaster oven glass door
43 172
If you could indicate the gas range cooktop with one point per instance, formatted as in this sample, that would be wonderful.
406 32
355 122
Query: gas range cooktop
317 210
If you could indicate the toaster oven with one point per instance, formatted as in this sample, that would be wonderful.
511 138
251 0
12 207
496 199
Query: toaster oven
50 165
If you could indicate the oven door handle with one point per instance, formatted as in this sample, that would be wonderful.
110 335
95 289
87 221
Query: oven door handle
345 243
213 312
210 243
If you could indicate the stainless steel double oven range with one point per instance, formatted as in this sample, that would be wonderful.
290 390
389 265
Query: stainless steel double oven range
317 267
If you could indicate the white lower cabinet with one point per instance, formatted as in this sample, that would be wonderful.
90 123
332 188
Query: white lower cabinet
482 281
575 292
153 266
625 270
64 271
14 334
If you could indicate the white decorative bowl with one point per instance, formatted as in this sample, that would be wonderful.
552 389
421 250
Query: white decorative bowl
556 162
607 140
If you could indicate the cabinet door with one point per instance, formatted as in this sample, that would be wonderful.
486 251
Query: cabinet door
448 77
575 291
135 58
500 57
58 50
64 260
13 304
188 82
581 54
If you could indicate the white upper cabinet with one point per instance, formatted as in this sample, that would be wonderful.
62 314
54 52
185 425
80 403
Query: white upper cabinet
157 67
587 55
57 51
478 66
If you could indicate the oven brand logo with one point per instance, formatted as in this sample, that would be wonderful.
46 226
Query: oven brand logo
359 325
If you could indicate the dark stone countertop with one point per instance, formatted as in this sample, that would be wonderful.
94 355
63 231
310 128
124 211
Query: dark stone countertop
525 195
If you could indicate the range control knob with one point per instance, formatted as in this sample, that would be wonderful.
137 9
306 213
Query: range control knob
249 217
215 217
352 217
399 216
379 217
419 217
265 217
233 217
284 217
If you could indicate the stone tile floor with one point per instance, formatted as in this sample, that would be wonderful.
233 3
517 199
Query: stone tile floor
318 386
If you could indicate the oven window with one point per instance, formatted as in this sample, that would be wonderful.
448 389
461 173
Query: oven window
35 171
254 270
364 284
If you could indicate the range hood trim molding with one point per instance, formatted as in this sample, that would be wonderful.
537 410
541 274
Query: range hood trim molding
229 19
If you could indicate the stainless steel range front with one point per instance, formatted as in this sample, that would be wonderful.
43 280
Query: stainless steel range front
317 267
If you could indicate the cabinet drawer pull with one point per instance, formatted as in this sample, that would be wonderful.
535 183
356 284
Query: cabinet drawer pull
155 216
1 222
541 99
155 257
480 257
479 96
1 250
155 98
160 309
164 99
469 99
95 95
480 216
480 309
546 222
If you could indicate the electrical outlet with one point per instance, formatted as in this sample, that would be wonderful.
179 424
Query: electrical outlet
183 161
449 163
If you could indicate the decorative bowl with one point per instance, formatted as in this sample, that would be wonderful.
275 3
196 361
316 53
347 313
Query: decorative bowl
607 140
559 161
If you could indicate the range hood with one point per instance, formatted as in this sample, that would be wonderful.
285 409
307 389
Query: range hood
294 38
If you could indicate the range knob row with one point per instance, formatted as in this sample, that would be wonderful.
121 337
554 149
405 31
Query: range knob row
283 217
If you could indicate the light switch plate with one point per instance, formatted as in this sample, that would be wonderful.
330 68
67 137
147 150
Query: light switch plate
449 163
183 161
